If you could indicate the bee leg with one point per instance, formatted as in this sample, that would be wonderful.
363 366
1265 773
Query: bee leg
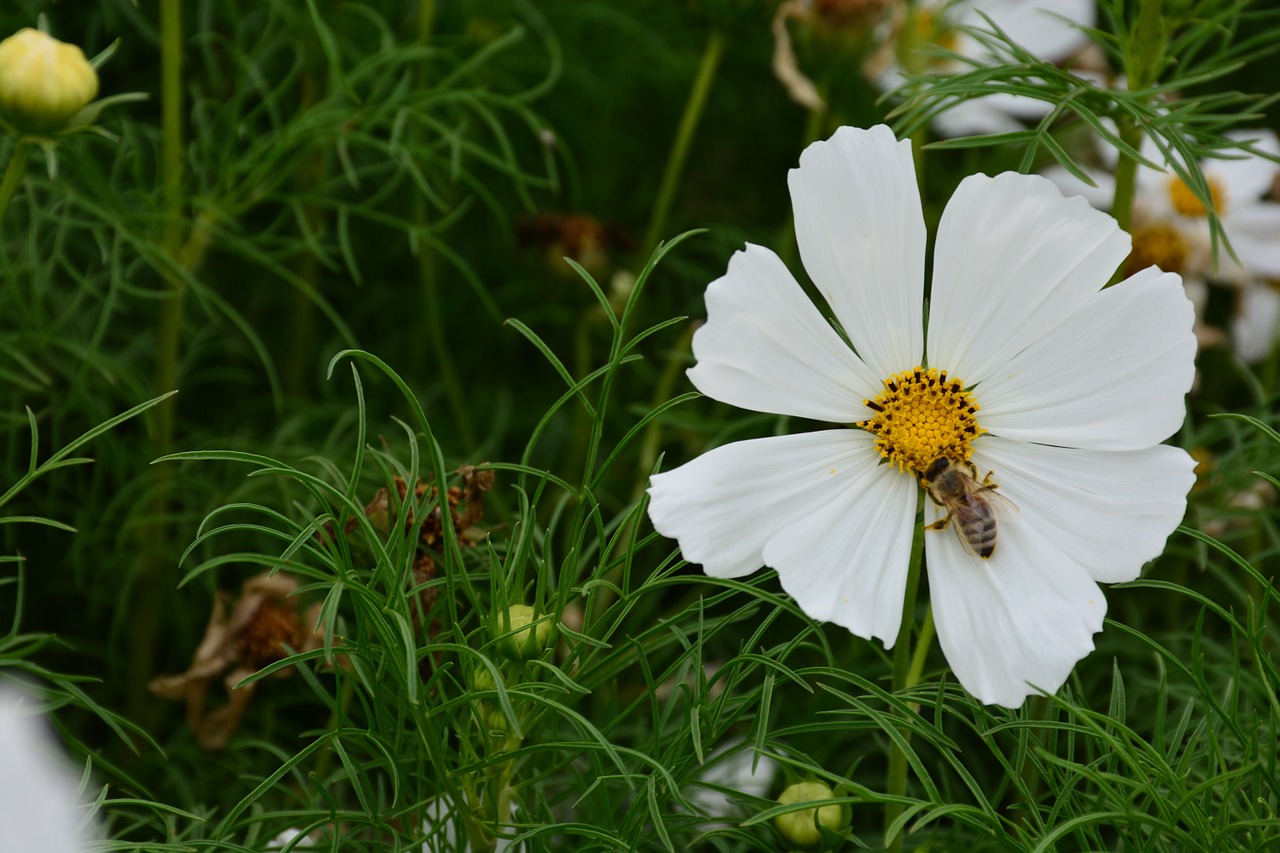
940 524
986 481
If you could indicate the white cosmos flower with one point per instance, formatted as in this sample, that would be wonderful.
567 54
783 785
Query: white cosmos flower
1071 387
1049 30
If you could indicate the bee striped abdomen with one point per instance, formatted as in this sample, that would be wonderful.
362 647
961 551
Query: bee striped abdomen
976 525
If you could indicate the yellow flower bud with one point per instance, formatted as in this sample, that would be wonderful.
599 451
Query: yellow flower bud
43 82
528 639
804 828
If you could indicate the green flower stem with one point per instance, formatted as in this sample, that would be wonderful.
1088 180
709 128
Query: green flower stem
13 174
1126 174
923 644
173 148
684 136
155 561
312 173
428 279
903 667
1126 182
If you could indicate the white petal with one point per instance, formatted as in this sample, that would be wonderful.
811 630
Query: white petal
846 561
818 507
1100 196
745 771
1250 178
1254 232
1013 257
290 835
861 235
765 347
1253 327
40 805
1043 28
979 116
1015 622
1111 376
1110 512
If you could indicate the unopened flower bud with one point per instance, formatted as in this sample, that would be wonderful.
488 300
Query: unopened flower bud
43 82
805 828
501 737
482 679
523 638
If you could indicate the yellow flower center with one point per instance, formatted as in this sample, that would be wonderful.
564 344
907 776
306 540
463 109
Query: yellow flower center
1185 201
928 28
1160 244
920 416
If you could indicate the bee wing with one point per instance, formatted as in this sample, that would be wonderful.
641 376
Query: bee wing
1001 504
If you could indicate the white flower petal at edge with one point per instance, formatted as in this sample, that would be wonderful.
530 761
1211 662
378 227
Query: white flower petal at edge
1065 389
1013 257
440 825
1043 28
41 808
744 770
1017 621
796 364
860 230
1254 232
1110 512
1099 195
816 506
1250 177
1253 328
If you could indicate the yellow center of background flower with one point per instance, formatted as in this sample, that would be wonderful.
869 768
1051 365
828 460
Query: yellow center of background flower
925 27
1185 201
920 416
1159 244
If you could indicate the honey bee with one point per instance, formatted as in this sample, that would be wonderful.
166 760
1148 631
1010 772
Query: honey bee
970 504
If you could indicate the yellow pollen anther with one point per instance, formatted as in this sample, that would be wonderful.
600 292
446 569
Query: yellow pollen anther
1161 245
1185 202
920 416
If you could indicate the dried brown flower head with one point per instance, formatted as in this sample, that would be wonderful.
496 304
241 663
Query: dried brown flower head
584 239
466 509
264 621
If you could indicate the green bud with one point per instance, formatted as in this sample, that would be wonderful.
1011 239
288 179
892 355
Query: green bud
805 828
43 82
482 679
523 640
501 738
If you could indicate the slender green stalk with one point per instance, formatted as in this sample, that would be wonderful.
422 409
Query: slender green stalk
1126 174
706 75
902 668
921 653
1126 183
302 313
155 562
172 152
427 274
13 173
